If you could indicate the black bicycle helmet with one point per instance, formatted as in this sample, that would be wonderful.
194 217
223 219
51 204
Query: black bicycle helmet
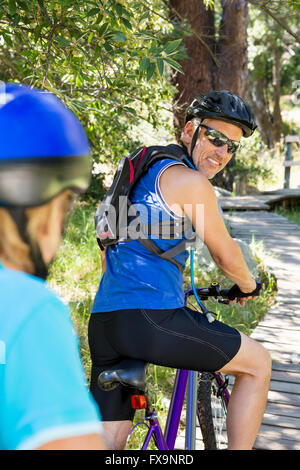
225 106
44 150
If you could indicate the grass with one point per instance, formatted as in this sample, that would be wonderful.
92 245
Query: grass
75 276
76 272
292 213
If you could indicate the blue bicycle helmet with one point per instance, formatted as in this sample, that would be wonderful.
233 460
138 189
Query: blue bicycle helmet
43 152
44 149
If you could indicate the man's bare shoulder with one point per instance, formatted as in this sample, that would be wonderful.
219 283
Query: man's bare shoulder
187 182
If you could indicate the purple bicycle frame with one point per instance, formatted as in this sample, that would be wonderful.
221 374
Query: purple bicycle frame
167 440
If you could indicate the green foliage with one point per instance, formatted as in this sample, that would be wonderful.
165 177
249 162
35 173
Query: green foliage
294 5
290 71
108 60
255 163
265 35
292 213
209 3
245 318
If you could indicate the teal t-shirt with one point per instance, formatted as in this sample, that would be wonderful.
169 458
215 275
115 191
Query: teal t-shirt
44 395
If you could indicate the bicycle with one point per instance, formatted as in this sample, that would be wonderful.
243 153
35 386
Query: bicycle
207 393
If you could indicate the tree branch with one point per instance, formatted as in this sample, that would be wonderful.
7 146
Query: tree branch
195 33
264 8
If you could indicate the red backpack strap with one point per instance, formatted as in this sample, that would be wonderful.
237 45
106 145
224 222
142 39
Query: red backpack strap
141 157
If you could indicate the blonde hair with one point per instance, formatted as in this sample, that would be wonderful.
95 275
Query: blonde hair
13 248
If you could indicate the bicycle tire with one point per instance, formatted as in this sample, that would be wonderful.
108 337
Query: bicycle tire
211 412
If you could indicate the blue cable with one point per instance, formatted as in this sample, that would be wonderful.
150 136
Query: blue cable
189 163
193 282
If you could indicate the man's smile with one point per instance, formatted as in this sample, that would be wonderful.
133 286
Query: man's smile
213 161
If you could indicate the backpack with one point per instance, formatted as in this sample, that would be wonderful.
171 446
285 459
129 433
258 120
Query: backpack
116 219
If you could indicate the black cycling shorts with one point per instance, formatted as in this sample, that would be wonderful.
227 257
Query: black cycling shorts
180 338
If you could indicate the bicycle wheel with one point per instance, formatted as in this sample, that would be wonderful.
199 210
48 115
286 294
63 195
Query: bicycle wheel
212 411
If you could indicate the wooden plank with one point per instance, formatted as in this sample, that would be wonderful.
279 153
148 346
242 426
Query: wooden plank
286 387
278 432
249 218
279 394
284 307
285 367
268 229
265 443
290 323
284 376
282 409
288 351
291 163
277 335
281 311
278 241
291 300
282 421
284 398
264 216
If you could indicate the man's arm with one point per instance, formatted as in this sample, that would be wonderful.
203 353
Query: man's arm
188 188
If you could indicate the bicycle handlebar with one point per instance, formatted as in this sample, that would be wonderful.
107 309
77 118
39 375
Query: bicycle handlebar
226 294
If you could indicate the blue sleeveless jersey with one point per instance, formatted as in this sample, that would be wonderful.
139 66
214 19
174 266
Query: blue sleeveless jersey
135 277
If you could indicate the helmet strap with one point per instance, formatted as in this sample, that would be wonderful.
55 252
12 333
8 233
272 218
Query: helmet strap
193 143
194 140
19 216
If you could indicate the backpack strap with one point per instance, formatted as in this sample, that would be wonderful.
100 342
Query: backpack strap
153 247
168 255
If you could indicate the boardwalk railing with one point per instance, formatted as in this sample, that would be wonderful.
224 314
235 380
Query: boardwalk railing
289 140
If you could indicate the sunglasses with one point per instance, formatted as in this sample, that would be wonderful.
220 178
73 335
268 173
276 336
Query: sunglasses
218 139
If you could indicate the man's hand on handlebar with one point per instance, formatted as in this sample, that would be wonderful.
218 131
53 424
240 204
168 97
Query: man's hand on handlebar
234 294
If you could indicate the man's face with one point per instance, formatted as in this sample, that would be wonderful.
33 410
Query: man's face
208 158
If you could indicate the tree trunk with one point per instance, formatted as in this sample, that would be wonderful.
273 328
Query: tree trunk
259 107
277 120
212 63
233 72
197 76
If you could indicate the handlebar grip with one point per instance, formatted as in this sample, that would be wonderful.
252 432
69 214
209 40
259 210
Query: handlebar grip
235 293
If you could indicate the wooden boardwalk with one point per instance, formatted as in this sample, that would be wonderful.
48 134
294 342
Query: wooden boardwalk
259 202
279 332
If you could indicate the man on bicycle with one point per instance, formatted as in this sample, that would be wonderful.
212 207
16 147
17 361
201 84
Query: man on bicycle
44 160
139 309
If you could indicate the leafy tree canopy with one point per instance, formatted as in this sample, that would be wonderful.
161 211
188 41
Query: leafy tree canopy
107 60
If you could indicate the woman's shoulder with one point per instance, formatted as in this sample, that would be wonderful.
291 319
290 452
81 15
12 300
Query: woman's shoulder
23 293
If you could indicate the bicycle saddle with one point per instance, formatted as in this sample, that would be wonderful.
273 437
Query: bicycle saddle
130 372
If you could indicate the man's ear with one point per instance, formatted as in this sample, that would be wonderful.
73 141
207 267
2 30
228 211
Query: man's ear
188 132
